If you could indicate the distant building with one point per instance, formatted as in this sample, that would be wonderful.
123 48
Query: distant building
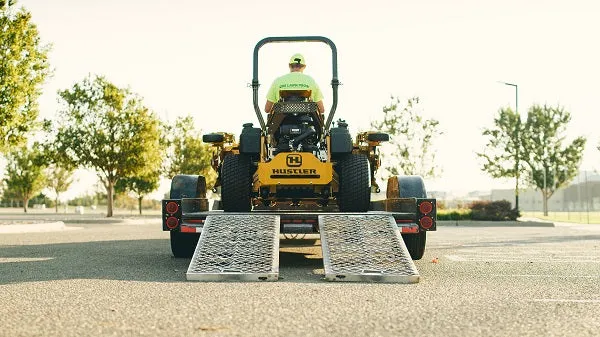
583 194
437 194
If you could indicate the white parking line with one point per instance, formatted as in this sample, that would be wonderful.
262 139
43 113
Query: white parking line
559 300
540 259
23 259
545 276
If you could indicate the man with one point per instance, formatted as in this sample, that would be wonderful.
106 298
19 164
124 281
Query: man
295 80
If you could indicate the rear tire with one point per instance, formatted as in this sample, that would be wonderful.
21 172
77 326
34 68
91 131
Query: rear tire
186 186
413 187
236 184
415 243
354 193
183 244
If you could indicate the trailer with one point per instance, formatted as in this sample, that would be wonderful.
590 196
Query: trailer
298 174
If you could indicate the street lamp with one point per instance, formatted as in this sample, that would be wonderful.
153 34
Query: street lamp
518 145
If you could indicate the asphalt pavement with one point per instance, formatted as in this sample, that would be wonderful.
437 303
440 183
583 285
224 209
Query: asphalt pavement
120 279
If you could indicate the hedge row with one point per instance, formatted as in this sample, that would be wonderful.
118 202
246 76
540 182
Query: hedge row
454 214
482 210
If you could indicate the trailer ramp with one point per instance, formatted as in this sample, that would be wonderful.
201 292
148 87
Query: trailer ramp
237 247
365 248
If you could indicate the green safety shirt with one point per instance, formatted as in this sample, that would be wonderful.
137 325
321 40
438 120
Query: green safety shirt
294 81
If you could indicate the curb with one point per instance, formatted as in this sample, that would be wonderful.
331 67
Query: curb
102 221
474 223
109 221
33 228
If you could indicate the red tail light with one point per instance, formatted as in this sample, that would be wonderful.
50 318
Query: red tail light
426 207
172 222
172 207
426 222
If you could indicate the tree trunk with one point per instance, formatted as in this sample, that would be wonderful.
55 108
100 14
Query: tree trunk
110 189
56 203
140 204
545 197
25 202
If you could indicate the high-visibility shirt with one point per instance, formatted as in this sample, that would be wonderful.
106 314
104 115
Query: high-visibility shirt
294 81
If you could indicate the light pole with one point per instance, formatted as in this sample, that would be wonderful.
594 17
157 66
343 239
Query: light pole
518 145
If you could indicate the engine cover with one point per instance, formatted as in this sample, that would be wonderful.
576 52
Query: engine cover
295 168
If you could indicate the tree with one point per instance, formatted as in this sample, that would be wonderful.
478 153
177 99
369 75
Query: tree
2 191
552 164
59 180
411 139
187 153
140 186
23 69
503 152
25 173
60 168
108 129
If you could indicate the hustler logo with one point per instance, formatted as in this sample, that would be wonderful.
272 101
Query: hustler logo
293 160
294 173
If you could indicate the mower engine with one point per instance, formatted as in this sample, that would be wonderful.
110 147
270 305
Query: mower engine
297 134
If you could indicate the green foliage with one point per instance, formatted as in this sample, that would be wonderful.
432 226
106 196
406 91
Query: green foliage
125 202
535 146
59 180
60 169
25 174
501 155
40 199
187 153
453 214
140 186
552 163
89 200
108 129
409 151
23 69
493 210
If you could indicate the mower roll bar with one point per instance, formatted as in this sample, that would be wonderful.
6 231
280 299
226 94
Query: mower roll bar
334 81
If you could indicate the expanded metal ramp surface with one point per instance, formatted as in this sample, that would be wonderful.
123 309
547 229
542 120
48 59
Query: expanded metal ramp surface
365 248
237 247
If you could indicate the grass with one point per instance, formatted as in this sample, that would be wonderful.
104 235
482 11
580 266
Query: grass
575 217
100 211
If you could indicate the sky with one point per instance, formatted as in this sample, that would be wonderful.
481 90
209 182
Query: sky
195 57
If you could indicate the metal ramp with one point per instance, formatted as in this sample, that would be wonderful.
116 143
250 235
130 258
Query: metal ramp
237 247
365 248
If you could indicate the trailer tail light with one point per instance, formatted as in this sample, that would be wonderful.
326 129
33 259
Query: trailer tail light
172 222
426 214
425 207
426 222
172 207
171 214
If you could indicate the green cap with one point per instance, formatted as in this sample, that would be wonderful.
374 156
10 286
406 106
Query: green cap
297 59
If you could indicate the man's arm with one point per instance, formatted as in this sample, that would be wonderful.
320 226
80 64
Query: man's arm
268 106
320 106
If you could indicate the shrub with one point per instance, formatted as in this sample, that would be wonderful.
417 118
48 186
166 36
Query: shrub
454 214
493 210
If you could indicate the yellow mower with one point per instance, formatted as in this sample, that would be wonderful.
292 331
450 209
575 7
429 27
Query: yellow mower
297 167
